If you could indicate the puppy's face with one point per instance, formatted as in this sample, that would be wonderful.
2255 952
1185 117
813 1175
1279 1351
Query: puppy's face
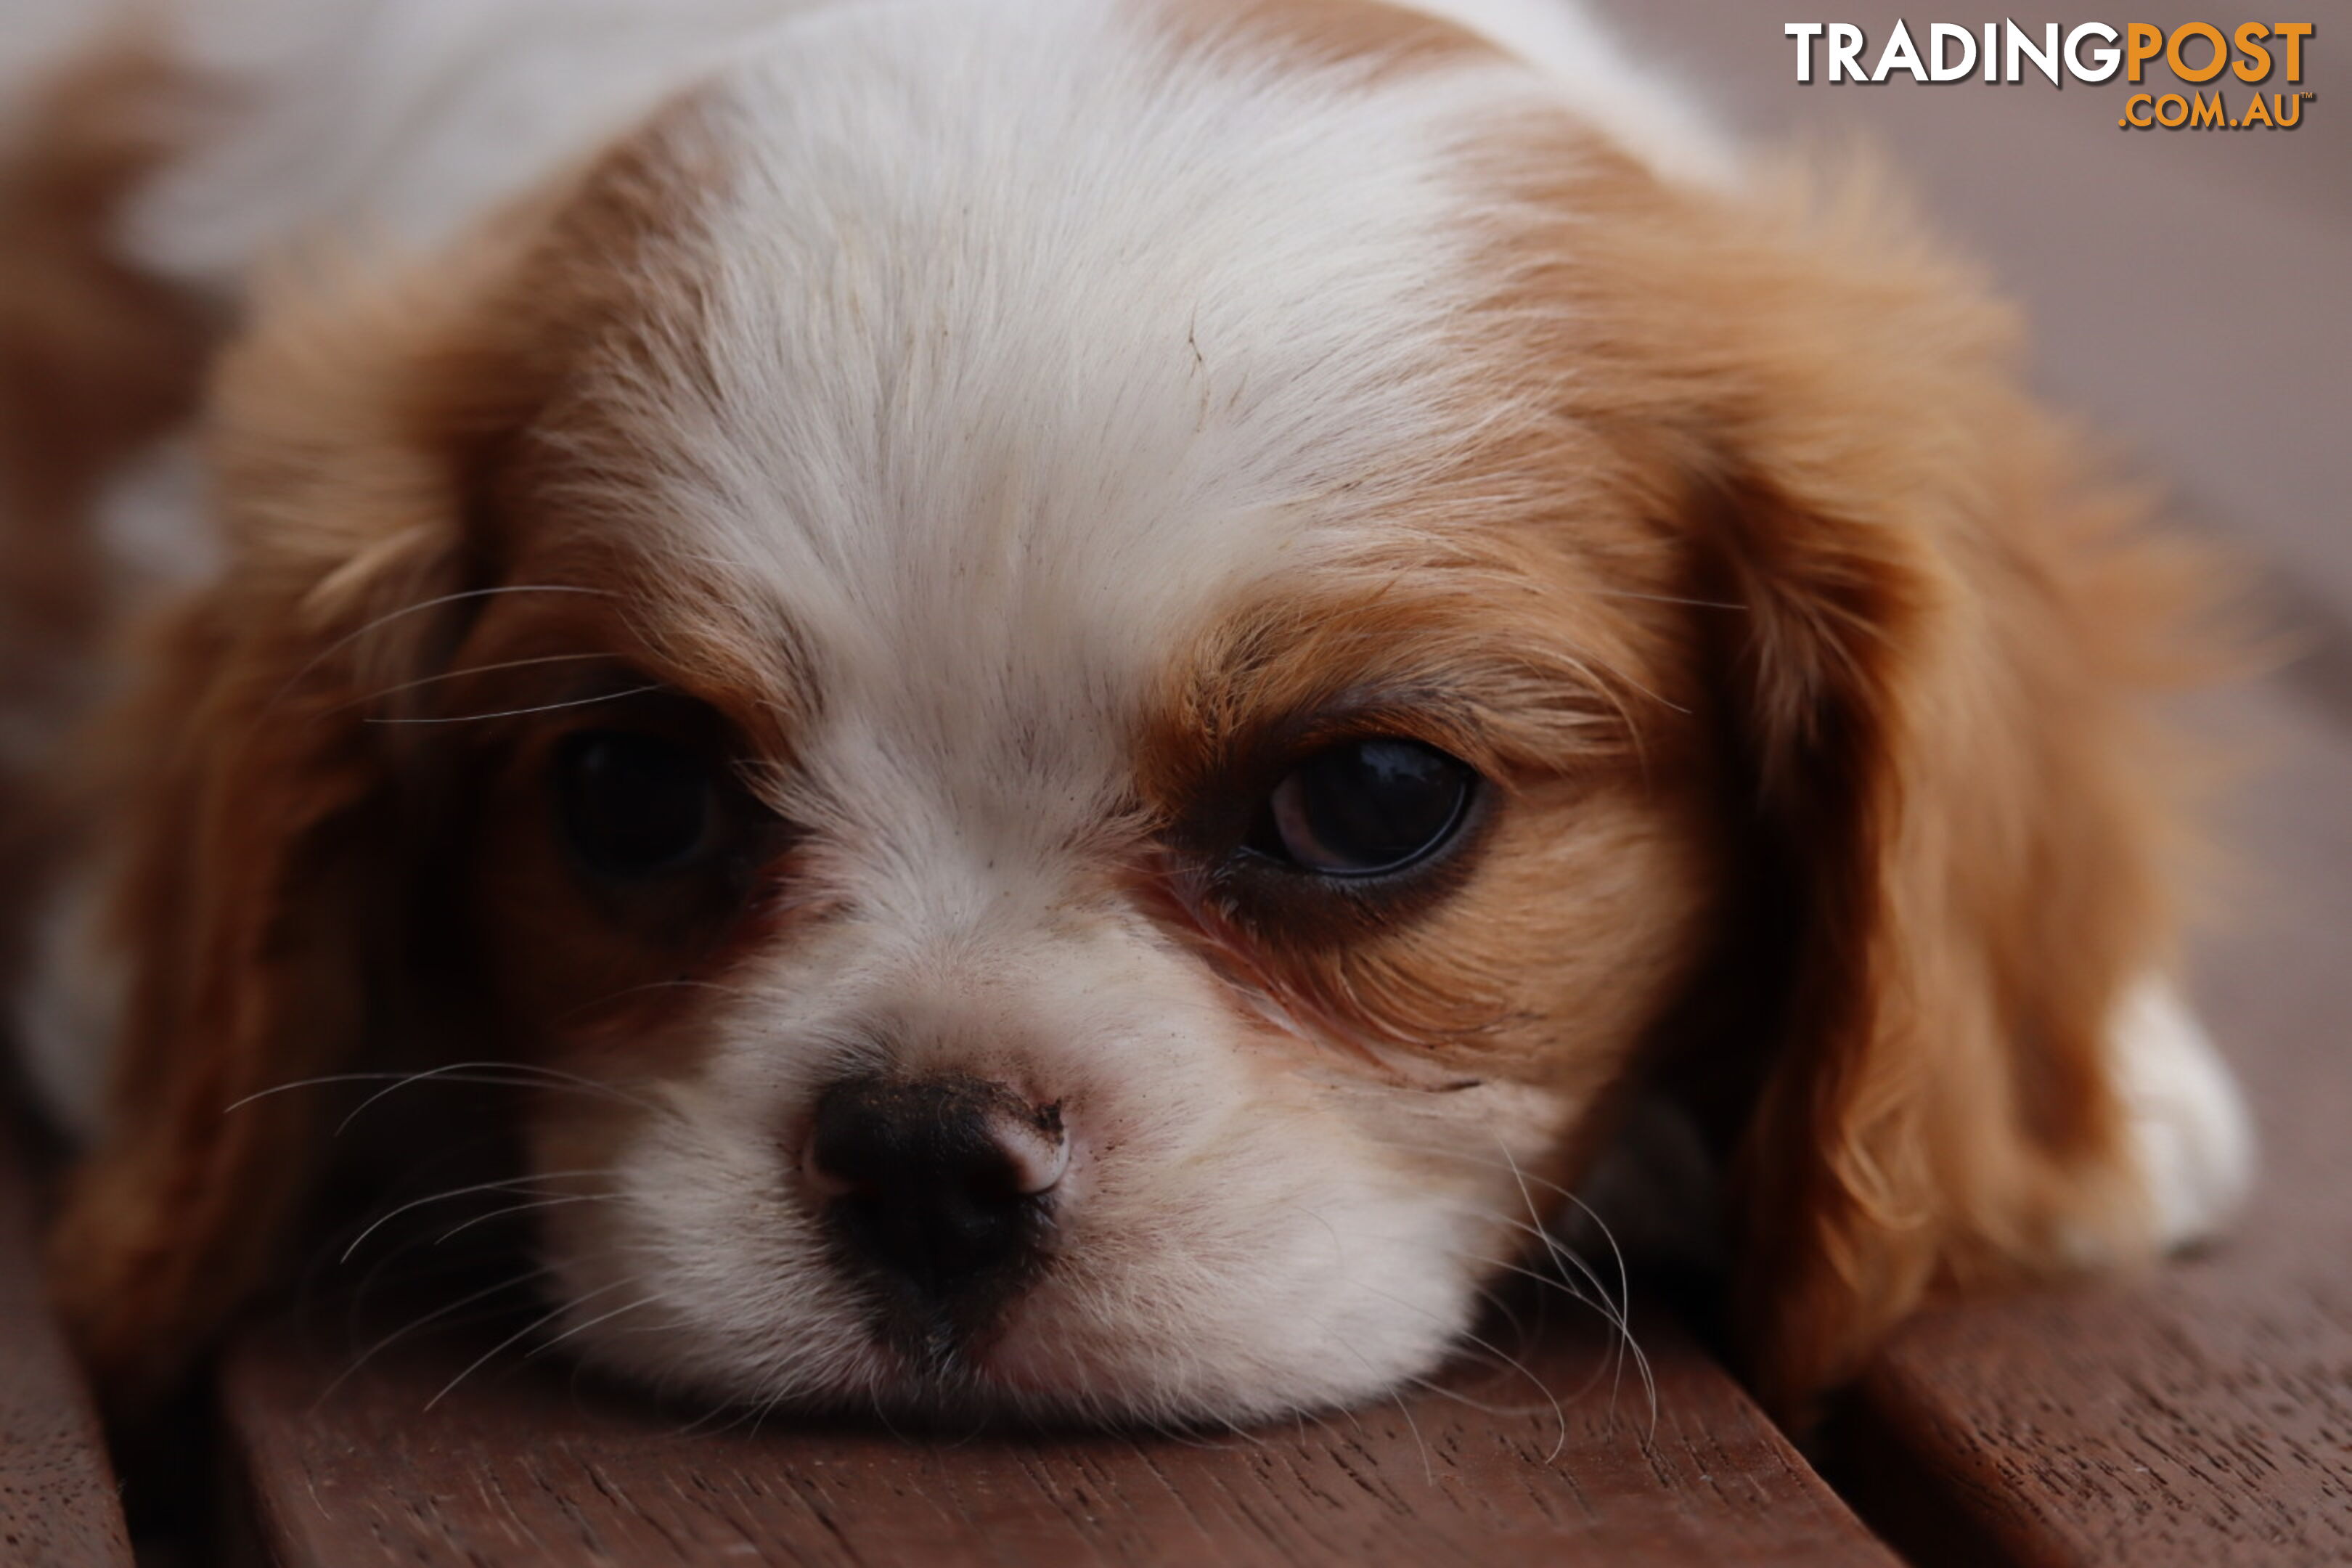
1061 748
1169 1040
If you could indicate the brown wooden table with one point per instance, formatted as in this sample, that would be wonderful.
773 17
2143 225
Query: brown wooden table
57 1488
530 1463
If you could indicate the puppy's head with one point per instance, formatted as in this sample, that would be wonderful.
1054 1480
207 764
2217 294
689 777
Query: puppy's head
1087 687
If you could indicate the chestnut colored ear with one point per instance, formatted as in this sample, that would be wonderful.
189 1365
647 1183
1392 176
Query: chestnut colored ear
234 908
1960 819
355 437
243 829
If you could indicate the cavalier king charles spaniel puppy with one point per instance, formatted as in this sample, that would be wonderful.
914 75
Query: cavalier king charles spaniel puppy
1077 694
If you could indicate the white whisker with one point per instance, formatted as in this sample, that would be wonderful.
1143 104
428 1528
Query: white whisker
1620 1316
490 1074
646 1300
439 601
557 1201
425 681
436 1315
507 1182
519 712
525 1332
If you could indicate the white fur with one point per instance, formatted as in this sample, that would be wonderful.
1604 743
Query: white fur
2195 1137
152 524
1226 1247
72 1000
392 123
1641 109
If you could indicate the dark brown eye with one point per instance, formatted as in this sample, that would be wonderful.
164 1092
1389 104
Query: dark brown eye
1366 806
634 805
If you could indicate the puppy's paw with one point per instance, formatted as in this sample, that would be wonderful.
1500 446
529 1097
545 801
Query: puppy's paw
2190 1128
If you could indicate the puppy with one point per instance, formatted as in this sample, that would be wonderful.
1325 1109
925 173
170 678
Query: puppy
1083 690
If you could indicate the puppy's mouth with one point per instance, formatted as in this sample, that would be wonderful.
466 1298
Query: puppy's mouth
938 1199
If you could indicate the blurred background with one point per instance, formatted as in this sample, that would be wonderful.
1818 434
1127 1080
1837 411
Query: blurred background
2187 289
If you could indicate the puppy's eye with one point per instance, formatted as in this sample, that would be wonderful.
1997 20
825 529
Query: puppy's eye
1366 806
634 805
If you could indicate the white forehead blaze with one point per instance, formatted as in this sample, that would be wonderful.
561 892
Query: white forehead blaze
1023 346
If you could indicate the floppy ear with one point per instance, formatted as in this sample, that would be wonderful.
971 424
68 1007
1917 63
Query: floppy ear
1957 823
356 439
243 826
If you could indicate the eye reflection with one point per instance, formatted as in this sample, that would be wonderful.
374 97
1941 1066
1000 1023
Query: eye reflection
1365 807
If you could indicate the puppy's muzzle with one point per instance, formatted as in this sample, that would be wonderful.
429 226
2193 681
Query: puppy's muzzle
939 1192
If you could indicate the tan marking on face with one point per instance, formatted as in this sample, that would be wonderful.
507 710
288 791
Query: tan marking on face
1580 853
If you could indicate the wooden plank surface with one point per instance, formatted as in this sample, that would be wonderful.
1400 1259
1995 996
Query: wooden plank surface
57 1502
2204 1417
527 1462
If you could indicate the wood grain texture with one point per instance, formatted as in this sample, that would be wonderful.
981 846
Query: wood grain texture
2202 1416
57 1502
526 1463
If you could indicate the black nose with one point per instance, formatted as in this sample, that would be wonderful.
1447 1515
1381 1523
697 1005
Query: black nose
940 1188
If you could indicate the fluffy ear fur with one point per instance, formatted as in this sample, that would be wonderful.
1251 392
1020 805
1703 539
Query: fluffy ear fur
1958 815
251 795
355 438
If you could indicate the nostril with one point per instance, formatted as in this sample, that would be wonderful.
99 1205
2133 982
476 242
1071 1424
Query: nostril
1036 1151
940 1183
